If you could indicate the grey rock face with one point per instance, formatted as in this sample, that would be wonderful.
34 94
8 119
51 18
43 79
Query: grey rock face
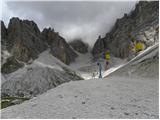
3 35
142 23
4 42
79 46
3 30
59 47
25 40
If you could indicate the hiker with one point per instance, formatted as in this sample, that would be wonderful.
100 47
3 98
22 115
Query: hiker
107 58
100 69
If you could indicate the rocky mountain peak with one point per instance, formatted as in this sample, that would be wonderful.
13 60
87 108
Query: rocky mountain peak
59 47
25 40
3 34
3 30
48 35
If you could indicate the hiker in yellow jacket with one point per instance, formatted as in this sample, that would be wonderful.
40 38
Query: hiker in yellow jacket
107 57
139 46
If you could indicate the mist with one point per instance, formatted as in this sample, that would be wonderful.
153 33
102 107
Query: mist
85 20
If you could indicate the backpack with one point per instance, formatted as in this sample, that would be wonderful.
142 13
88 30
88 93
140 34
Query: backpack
139 46
107 56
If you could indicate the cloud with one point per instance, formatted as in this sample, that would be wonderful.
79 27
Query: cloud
84 20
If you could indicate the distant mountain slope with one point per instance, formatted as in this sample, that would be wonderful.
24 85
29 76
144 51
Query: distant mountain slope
79 46
44 73
142 23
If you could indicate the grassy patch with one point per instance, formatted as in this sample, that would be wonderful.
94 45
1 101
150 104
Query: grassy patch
8 101
5 104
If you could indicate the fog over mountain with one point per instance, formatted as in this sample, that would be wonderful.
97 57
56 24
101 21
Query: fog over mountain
72 20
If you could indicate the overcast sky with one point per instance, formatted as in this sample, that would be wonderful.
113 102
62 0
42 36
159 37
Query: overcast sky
84 20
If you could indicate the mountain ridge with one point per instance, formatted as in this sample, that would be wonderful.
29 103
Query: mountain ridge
24 41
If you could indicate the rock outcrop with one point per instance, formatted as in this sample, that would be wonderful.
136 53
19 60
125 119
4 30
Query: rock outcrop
142 24
3 35
4 42
59 47
11 65
79 46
